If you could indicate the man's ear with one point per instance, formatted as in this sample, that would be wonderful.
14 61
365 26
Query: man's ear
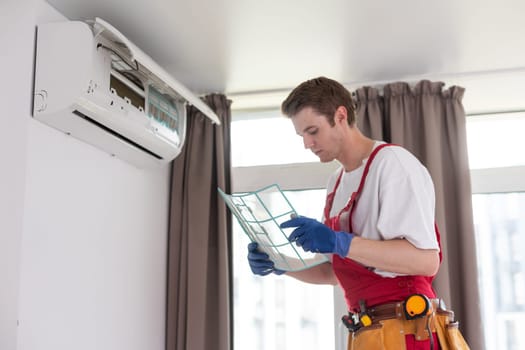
341 114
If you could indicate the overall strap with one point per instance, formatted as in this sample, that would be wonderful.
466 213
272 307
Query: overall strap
330 197
356 194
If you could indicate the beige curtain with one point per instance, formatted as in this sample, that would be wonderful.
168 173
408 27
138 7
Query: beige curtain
199 265
430 122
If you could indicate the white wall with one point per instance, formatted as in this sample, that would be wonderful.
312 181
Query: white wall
82 234
15 63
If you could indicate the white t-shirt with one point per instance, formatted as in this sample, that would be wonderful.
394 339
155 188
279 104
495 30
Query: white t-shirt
397 200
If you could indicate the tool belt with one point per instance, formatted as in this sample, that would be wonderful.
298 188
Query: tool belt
385 326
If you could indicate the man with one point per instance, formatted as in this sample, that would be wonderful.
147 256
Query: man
379 228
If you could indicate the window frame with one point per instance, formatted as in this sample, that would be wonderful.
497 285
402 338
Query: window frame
489 180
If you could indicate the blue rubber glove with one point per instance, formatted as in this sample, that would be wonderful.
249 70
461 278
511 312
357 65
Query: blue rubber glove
260 262
316 237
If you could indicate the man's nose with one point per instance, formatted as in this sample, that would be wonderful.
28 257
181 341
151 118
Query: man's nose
307 142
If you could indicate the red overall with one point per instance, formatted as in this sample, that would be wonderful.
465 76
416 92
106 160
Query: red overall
358 281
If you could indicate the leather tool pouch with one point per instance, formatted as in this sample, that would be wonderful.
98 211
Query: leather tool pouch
390 334
450 338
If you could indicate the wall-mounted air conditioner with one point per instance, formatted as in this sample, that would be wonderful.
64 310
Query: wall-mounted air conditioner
91 82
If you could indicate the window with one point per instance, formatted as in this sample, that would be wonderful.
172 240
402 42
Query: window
267 138
276 312
496 140
500 232
499 221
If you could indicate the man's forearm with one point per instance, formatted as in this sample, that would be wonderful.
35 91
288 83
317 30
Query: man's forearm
319 274
398 256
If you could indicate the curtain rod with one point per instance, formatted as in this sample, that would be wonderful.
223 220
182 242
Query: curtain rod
499 111
253 101
413 78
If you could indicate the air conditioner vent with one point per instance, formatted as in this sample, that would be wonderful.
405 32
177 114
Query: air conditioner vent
116 134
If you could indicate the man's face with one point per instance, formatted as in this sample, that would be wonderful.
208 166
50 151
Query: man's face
318 135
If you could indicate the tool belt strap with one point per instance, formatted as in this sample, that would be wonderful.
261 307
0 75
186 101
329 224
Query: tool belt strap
395 310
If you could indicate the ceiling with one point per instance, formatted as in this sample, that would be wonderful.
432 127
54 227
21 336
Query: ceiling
244 46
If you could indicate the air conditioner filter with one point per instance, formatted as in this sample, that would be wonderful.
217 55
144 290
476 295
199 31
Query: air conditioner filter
259 214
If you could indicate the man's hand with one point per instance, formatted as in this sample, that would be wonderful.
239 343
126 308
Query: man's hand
260 262
316 237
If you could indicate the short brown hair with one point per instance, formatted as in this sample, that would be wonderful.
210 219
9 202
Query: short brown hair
322 94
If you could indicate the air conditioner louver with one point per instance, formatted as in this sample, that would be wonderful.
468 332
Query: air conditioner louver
116 134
